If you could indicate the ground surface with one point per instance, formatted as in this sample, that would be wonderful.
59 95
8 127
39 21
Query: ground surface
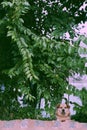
28 124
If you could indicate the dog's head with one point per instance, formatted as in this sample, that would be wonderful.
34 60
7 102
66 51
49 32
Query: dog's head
63 111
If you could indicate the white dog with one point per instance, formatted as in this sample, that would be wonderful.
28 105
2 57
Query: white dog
63 112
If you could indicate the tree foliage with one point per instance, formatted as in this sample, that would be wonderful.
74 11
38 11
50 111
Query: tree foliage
35 59
81 113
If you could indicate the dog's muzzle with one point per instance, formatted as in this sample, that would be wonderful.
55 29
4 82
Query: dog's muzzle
63 112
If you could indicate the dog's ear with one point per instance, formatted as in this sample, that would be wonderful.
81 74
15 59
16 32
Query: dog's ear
58 105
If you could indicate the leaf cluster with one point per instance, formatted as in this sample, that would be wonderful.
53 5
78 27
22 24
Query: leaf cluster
33 65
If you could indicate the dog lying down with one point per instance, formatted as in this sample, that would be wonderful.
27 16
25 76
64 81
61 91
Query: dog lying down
63 112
